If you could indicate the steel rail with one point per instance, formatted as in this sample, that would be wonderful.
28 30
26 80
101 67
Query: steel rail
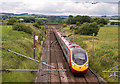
33 70
95 75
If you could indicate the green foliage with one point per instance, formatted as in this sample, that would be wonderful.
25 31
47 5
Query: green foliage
73 27
4 17
101 21
19 21
115 23
88 29
82 19
77 23
29 20
78 18
101 25
86 19
11 21
22 27
64 25
71 20
38 23
106 49
20 42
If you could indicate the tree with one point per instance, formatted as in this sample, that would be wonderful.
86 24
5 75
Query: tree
29 20
11 21
40 22
88 29
86 19
78 18
36 25
4 17
64 25
70 16
22 27
71 20
101 21
77 23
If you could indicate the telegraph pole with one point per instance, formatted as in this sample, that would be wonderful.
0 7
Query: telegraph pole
93 47
34 46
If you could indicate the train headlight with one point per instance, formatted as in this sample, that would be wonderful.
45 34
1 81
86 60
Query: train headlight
72 64
86 64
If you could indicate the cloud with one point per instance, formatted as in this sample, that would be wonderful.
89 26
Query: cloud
59 7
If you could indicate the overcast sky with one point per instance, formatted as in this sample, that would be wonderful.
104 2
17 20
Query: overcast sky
60 7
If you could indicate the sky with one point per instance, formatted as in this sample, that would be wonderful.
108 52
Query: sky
60 7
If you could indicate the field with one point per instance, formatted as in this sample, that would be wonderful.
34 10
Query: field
22 43
105 51
20 16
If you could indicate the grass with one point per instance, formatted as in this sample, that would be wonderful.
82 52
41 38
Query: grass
106 48
20 42
0 52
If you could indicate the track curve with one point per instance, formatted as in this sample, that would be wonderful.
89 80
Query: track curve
54 56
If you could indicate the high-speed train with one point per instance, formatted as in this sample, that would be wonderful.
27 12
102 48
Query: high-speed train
76 56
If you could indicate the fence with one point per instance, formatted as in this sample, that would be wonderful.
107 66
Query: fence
114 73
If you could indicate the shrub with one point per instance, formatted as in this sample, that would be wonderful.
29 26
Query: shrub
101 25
77 23
73 27
22 27
11 21
101 21
64 25
39 22
29 20
36 25
87 29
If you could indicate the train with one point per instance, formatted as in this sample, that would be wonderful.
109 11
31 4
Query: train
76 56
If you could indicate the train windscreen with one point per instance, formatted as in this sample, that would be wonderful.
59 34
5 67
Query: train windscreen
79 57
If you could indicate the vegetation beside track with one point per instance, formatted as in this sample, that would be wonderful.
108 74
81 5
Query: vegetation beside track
106 48
20 42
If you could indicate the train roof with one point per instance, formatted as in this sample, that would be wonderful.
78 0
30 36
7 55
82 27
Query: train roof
68 42
78 50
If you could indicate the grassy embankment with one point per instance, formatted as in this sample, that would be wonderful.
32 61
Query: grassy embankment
106 48
20 42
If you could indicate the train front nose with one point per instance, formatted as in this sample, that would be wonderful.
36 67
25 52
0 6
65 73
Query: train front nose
79 68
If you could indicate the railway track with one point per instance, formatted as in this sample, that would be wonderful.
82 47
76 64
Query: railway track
53 55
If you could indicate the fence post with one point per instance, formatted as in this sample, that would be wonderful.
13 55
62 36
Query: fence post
105 75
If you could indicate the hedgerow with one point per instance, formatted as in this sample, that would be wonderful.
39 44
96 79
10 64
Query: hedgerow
22 27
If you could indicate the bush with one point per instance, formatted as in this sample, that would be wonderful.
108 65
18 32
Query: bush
101 21
22 27
101 25
72 27
64 25
39 22
87 29
77 23
36 25
11 21
29 20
